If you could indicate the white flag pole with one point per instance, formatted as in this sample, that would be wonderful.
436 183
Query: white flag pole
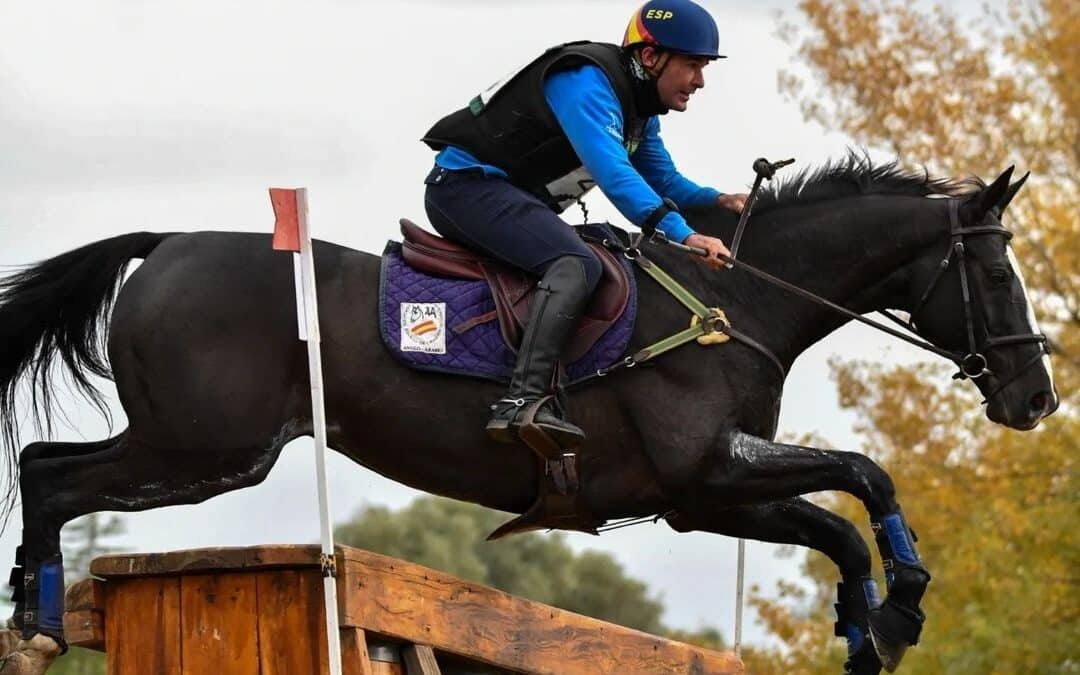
305 279
739 597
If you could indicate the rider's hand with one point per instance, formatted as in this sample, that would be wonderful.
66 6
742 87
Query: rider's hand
733 202
714 246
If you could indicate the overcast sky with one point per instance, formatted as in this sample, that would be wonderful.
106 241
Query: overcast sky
119 115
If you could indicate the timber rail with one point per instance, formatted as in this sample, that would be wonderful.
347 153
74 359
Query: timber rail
259 611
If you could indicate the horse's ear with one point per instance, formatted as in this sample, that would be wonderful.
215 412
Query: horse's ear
1011 192
992 194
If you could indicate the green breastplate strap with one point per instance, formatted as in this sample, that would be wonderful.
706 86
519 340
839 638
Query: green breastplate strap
708 325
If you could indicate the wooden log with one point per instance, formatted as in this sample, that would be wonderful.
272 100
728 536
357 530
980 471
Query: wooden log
420 605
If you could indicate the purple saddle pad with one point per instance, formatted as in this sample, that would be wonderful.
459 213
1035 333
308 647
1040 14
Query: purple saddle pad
417 311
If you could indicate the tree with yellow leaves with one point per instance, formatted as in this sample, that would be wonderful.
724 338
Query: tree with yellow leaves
997 510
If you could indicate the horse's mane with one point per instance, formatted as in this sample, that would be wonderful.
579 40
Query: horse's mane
856 174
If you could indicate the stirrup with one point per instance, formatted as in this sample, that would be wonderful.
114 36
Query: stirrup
550 442
505 430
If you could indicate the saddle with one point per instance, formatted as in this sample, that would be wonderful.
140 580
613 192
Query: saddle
513 289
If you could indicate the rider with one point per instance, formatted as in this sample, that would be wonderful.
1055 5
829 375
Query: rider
579 115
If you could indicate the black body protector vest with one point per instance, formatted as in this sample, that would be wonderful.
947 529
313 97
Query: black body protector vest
511 126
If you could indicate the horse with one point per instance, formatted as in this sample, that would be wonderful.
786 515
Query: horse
207 366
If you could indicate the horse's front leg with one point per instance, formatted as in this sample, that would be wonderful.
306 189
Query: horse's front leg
752 470
798 522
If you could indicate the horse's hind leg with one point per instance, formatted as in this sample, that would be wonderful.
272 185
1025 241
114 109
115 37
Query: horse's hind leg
754 471
33 654
29 455
60 482
801 523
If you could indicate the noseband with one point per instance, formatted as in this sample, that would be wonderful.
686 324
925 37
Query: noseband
973 364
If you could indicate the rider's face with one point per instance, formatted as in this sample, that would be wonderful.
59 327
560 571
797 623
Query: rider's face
680 76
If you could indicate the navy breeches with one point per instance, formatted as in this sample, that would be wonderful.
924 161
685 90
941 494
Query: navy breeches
491 215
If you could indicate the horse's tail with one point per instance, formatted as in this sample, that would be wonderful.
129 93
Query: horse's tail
59 307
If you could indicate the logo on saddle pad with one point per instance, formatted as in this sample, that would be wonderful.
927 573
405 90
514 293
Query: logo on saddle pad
423 327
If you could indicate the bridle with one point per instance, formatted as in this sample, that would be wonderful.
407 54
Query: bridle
973 364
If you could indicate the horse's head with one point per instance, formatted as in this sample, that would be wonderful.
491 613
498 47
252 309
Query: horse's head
971 299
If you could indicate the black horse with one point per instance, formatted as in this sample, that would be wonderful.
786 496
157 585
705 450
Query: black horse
202 345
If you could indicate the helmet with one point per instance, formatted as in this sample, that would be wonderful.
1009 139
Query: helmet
679 26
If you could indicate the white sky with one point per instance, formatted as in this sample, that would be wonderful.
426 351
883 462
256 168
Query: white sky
119 115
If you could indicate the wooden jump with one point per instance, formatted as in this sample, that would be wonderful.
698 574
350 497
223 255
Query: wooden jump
258 611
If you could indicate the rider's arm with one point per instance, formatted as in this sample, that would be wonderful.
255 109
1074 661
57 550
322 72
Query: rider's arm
586 107
654 163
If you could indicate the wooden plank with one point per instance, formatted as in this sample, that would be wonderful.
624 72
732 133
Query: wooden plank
84 618
354 653
219 624
205 560
142 626
421 605
292 626
420 660
85 628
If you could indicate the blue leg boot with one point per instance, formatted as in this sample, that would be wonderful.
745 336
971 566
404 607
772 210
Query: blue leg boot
896 624
855 599
44 601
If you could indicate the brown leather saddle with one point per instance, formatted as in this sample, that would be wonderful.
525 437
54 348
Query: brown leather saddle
512 289
558 504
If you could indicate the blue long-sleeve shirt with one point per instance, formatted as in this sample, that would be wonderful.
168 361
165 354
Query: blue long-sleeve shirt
586 106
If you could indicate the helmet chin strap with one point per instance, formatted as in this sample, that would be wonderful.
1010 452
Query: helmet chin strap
654 72
661 65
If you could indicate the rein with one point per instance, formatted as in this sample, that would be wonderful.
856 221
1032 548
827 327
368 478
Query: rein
971 365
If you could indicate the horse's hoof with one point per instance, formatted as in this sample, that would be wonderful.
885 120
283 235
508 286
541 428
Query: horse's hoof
892 630
865 661
31 657
889 654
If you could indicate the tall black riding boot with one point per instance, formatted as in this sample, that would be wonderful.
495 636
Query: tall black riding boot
555 311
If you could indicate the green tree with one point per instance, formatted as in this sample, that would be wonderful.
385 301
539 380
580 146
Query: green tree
84 540
995 509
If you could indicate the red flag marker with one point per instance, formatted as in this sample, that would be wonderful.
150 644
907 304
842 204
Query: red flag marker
292 233
286 220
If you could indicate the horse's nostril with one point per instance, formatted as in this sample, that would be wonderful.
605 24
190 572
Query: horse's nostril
1039 402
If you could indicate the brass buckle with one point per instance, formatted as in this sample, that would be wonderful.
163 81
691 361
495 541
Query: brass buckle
714 327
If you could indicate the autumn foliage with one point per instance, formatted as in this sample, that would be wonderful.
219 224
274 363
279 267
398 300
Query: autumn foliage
995 510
